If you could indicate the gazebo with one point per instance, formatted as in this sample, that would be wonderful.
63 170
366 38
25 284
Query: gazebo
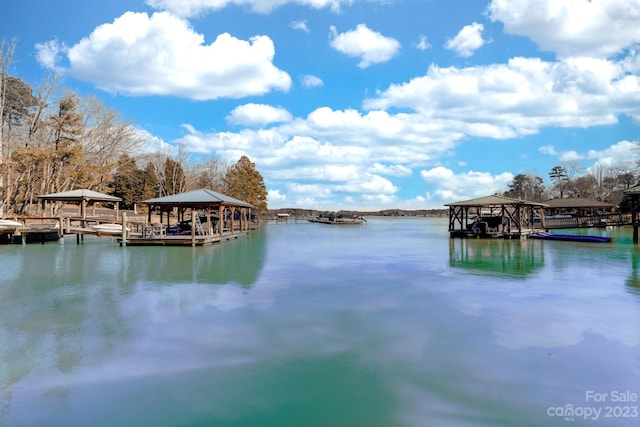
83 197
217 209
494 216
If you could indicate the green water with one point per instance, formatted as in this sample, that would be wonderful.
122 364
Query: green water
387 324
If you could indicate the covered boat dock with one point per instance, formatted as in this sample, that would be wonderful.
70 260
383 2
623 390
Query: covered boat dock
580 212
495 216
194 218
634 196
83 197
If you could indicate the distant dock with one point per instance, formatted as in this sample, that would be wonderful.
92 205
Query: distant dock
339 221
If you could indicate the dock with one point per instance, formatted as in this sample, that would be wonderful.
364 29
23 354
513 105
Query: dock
180 240
214 217
495 217
338 221
135 233
498 216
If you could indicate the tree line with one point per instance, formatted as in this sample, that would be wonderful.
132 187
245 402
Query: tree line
606 184
52 140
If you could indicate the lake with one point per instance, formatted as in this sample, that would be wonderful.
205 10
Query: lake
391 323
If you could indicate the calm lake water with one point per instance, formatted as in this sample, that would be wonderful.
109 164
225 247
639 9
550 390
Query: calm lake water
387 324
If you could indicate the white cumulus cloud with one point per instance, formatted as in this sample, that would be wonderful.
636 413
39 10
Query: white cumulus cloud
188 8
572 27
620 153
447 186
49 53
369 46
519 97
423 44
257 115
468 40
309 80
300 26
161 54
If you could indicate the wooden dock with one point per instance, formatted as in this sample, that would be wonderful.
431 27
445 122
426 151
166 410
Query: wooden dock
339 221
178 240
507 235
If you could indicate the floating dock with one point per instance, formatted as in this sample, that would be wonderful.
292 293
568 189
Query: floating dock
339 221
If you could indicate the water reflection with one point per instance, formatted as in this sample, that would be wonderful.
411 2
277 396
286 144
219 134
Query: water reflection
377 325
499 257
566 291
236 261
633 282
61 303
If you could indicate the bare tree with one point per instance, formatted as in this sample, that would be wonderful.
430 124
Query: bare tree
27 151
584 186
7 50
210 174
172 170
107 136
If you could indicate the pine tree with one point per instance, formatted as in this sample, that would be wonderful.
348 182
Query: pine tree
245 183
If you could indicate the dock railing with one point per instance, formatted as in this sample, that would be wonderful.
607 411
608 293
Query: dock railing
588 221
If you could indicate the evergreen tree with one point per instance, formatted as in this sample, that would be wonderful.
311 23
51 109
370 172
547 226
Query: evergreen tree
245 183
126 182
66 165
558 175
174 178
132 184
151 186
528 187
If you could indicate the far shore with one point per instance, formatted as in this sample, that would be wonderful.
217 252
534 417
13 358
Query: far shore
311 213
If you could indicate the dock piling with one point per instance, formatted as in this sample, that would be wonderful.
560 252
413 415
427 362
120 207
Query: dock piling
193 228
124 229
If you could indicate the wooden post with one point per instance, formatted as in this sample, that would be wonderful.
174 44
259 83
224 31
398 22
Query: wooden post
634 219
193 227
60 227
220 220
124 229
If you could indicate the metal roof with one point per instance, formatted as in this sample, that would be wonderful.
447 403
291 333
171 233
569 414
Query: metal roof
202 197
577 203
79 195
494 200
632 190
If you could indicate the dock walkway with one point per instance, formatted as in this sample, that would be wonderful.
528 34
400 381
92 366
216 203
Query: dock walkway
178 240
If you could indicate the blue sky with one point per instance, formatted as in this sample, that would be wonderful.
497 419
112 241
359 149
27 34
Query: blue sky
366 104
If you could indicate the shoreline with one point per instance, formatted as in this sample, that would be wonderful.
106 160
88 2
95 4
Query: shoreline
311 213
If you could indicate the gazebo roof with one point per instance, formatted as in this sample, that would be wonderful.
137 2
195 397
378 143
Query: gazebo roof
633 190
494 200
80 195
577 203
197 198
